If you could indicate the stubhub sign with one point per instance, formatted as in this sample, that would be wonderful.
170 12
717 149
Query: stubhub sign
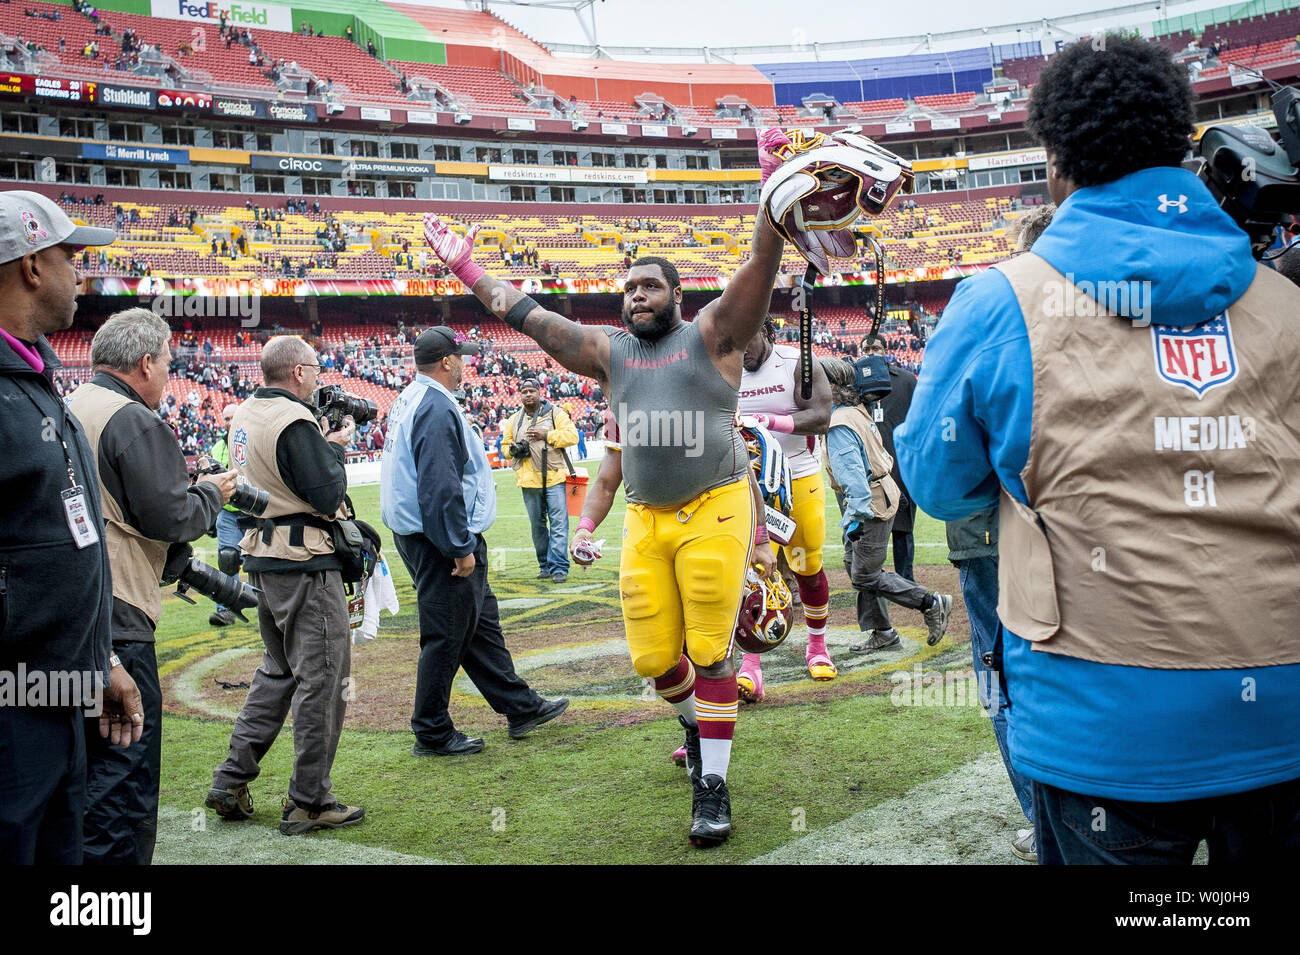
268 16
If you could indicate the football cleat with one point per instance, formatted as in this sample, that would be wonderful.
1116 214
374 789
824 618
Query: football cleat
766 614
820 665
689 754
749 681
710 812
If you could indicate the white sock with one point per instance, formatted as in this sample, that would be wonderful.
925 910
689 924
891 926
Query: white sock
686 707
715 755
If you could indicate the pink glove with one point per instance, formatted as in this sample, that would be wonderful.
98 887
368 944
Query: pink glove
770 140
456 252
780 423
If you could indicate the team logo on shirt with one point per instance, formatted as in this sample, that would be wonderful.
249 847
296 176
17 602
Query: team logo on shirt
1199 358
239 446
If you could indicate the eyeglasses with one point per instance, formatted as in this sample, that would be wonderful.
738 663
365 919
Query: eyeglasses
303 364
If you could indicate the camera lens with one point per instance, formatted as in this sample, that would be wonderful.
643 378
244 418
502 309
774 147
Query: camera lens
249 499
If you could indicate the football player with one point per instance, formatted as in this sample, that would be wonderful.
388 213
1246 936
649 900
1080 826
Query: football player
690 526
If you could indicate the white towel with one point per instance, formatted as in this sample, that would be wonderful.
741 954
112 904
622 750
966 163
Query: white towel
380 595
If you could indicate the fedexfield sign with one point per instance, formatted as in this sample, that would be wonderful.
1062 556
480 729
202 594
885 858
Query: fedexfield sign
267 16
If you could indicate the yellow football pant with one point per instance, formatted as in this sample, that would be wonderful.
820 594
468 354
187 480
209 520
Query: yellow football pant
808 510
682 577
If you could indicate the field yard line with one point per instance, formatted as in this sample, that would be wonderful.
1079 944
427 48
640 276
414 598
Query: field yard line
968 816
259 843
186 688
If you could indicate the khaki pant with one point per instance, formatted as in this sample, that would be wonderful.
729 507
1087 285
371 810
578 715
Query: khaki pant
308 656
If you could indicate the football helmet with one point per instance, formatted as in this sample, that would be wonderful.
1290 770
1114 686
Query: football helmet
825 183
766 613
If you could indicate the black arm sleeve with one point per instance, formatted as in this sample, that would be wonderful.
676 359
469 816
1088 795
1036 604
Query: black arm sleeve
312 467
144 470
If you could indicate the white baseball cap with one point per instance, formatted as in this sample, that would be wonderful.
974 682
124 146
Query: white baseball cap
30 222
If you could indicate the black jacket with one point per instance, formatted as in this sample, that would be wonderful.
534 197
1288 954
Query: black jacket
55 598
143 469
313 469
975 535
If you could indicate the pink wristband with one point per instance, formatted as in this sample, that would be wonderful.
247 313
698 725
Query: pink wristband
760 535
587 524
782 423
468 272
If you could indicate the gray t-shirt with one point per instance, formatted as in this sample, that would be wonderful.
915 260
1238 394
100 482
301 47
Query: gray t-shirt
675 415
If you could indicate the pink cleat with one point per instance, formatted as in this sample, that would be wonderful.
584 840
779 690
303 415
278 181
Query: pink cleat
749 681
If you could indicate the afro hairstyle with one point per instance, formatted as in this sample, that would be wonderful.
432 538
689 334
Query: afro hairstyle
1110 106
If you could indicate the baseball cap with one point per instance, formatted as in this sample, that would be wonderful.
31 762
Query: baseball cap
871 377
435 344
30 222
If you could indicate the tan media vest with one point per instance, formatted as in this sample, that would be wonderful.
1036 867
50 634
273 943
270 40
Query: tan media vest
1137 487
884 489
262 421
136 561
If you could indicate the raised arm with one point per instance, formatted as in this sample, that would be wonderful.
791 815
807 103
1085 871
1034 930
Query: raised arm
732 322
580 348
814 414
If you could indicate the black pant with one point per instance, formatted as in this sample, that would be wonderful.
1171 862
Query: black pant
122 784
1258 826
904 548
42 786
459 627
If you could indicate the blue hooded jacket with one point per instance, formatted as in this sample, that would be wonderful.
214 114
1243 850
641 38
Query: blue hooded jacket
1120 732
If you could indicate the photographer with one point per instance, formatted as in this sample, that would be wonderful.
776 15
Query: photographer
279 445
1148 532
536 437
147 505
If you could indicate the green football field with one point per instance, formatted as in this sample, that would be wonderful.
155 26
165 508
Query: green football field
846 771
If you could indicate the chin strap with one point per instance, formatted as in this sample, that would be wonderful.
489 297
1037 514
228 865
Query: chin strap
880 290
806 285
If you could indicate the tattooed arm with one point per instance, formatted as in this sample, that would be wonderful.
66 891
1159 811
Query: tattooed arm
582 349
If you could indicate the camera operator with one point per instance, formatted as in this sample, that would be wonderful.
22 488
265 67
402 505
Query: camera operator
55 589
147 505
279 445
1147 534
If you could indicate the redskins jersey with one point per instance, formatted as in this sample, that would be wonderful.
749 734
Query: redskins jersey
770 390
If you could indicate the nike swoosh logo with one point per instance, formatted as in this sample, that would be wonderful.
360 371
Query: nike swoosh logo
721 519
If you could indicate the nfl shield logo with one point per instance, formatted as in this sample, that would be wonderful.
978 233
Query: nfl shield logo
1199 358
239 447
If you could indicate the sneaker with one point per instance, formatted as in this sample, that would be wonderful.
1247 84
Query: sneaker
559 577
689 755
549 711
295 821
221 618
1025 846
710 812
936 618
233 804
543 575
458 745
878 640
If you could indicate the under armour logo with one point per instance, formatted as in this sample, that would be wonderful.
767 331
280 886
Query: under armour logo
1180 203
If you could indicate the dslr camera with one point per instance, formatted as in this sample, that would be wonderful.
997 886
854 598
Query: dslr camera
189 573
520 448
249 499
332 402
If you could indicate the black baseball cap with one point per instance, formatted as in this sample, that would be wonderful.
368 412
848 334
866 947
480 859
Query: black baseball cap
435 344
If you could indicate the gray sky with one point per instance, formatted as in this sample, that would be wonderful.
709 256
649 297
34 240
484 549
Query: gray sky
746 22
